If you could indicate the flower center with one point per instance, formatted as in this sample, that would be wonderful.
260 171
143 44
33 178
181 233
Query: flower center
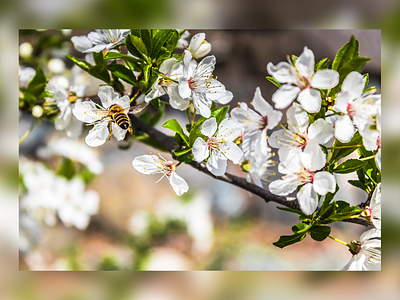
169 167
192 83
263 122
213 143
378 142
304 83
351 110
307 176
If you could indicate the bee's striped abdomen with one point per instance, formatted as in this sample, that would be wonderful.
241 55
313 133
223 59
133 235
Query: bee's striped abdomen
119 116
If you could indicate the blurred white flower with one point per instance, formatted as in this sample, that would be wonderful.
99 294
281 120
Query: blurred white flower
183 41
25 75
56 65
100 39
373 211
25 49
74 150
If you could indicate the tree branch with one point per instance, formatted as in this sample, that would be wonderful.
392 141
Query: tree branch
169 143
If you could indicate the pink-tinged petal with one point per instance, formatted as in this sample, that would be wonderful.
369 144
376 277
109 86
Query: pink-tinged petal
98 135
342 101
305 63
200 150
107 95
324 183
370 138
308 199
310 100
314 158
283 187
354 85
325 79
118 132
232 152
285 95
209 127
320 131
147 164
167 65
176 100
297 119
344 129
178 184
217 163
86 111
229 129
378 159
283 72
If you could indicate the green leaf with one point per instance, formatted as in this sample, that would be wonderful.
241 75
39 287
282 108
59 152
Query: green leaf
116 55
176 127
345 213
286 240
357 183
138 43
186 158
37 84
126 146
349 166
337 154
84 65
98 58
180 152
320 233
156 103
195 132
124 73
131 46
67 168
158 41
322 64
300 227
162 55
172 41
100 72
158 116
295 211
146 37
347 60
274 81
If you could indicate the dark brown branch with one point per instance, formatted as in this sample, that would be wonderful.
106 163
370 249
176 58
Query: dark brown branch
170 143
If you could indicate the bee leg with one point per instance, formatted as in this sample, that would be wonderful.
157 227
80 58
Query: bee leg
111 131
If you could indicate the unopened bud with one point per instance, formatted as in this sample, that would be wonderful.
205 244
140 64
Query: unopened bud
198 46
37 111
56 65
245 165
354 247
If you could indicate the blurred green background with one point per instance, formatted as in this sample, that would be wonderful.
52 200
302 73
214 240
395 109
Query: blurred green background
382 15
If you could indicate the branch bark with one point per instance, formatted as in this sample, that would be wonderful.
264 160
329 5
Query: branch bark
169 143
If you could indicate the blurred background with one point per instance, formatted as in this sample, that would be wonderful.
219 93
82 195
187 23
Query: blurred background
203 285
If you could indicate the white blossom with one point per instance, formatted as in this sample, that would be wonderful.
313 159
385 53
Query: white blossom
219 146
197 84
301 171
300 137
373 211
256 123
100 39
365 252
357 108
153 164
302 82
259 167
97 115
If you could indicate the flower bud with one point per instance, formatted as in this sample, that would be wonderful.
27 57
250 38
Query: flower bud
246 165
198 46
354 247
37 111
56 65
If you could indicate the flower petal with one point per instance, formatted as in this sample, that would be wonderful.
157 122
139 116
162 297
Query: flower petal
305 63
176 100
325 79
313 157
265 109
229 129
201 104
321 131
324 183
283 187
233 152
98 135
310 100
297 119
209 127
225 99
285 95
308 199
81 43
217 163
85 111
200 150
74 128
118 132
107 95
178 184
354 85
283 72
370 234
167 65
147 164
344 129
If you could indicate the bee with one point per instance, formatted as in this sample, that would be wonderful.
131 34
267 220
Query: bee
118 115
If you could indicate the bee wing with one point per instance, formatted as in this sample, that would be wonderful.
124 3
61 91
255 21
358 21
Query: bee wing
138 108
